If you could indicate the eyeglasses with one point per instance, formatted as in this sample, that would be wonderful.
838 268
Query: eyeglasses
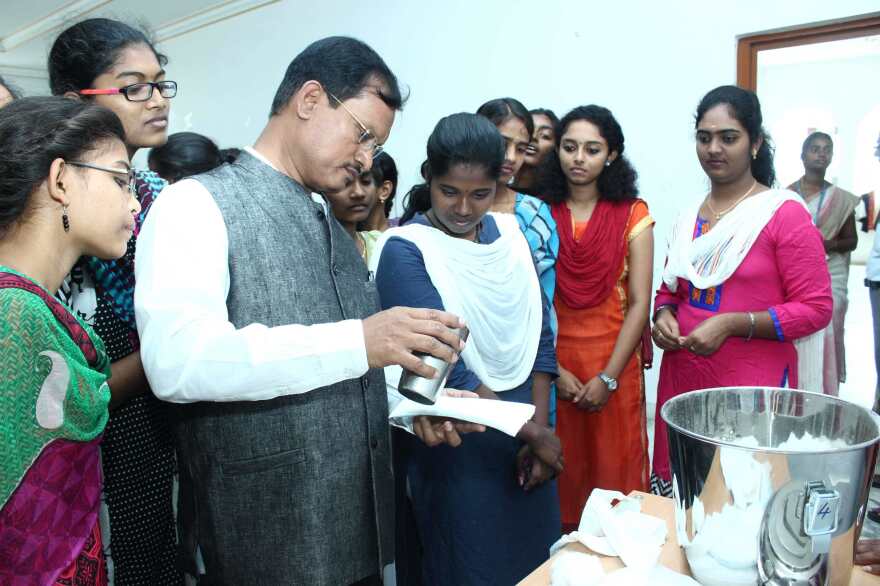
366 139
132 182
137 92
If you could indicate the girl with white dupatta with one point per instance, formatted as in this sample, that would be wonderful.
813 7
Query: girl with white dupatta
745 272
485 512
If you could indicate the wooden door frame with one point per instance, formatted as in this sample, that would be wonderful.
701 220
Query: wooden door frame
749 45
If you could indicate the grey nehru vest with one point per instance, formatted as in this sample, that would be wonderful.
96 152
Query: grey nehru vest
295 490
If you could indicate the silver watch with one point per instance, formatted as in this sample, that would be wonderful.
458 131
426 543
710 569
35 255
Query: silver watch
611 383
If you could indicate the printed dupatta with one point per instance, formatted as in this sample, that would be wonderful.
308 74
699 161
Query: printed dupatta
51 477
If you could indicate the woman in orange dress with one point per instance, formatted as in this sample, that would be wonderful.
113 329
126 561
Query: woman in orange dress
603 296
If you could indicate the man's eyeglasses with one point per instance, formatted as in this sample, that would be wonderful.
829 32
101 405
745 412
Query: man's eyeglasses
129 175
366 139
137 92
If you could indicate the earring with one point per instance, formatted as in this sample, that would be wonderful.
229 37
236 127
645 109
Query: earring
607 163
65 220
754 154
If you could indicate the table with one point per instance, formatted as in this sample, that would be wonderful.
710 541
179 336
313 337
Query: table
671 556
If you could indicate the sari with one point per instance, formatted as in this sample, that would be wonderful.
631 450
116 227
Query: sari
831 210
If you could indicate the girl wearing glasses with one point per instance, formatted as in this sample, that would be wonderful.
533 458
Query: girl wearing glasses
64 193
111 64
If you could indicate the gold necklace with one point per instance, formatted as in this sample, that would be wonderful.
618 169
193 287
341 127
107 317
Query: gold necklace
718 215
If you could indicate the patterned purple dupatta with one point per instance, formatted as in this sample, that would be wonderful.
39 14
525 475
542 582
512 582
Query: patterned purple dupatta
50 518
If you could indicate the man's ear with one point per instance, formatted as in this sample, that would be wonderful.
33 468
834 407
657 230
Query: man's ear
308 99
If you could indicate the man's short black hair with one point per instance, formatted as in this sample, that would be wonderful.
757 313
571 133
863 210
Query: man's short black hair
344 66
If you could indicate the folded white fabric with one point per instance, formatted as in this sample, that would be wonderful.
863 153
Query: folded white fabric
505 416
612 524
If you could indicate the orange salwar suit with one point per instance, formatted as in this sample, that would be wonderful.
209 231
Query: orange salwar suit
607 449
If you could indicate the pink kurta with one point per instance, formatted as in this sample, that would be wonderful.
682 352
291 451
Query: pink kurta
785 273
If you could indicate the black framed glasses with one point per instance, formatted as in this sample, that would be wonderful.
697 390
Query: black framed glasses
367 139
129 174
137 92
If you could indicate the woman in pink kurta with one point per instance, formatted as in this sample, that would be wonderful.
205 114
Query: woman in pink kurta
759 264
782 274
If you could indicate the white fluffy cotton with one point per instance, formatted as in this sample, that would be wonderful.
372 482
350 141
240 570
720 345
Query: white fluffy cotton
572 568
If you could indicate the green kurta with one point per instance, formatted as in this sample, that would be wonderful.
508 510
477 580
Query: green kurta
48 390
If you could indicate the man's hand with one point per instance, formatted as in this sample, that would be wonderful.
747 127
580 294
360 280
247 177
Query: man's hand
437 430
394 335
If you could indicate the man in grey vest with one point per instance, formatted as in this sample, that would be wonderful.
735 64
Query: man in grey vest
257 315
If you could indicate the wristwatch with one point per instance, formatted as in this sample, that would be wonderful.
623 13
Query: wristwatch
611 383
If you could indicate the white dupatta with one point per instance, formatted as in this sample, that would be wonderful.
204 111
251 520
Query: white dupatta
711 259
494 288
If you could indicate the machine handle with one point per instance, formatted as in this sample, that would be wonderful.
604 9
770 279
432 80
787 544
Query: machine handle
821 507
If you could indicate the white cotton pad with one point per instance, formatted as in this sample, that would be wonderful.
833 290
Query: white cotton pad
574 568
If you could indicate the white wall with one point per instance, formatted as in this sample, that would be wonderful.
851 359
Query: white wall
649 61
840 97
29 86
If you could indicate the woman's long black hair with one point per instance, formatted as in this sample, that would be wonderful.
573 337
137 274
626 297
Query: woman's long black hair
36 131
457 139
384 169
500 110
617 182
89 48
185 154
745 107
554 119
